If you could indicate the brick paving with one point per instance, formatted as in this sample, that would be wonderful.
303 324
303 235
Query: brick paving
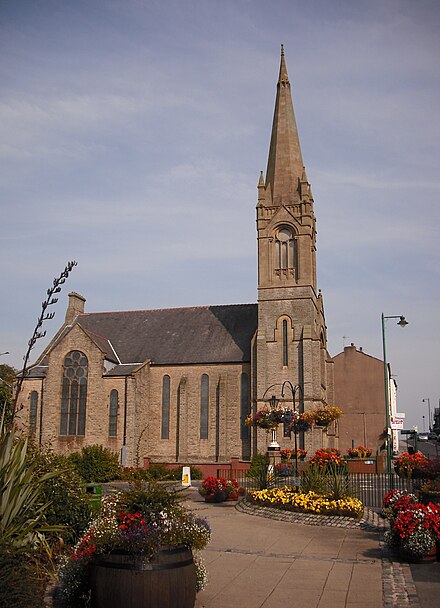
398 588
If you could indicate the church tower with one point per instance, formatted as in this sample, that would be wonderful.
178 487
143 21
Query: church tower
291 341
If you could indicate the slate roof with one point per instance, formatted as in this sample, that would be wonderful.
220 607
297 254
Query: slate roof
209 334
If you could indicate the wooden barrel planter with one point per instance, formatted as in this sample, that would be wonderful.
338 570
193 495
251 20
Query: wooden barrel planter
168 580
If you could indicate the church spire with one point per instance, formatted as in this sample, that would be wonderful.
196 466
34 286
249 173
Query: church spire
284 165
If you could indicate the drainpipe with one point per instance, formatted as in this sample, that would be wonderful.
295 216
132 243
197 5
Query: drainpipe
124 438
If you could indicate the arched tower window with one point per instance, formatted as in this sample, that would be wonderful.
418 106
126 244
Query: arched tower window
204 406
74 394
33 406
166 384
286 262
285 345
113 414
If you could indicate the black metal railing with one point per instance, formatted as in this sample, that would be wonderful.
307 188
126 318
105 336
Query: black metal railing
370 488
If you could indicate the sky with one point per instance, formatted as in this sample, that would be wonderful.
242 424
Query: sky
132 134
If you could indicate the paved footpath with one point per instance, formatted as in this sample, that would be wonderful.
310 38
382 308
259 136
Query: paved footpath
264 558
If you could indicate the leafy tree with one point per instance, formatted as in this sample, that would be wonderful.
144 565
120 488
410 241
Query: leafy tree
7 378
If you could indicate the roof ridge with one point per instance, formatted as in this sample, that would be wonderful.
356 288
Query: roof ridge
199 307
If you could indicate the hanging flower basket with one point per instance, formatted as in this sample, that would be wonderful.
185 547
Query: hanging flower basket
300 424
322 416
268 419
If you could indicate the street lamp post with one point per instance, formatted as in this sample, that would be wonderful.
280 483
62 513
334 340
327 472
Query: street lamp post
402 322
294 390
274 445
429 412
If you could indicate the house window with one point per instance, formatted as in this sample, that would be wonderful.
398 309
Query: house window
113 414
285 251
204 406
74 394
165 434
33 412
244 405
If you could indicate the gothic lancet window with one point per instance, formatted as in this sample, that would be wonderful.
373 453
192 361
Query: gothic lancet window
285 252
204 406
74 394
165 429
285 345
244 405
113 414
33 412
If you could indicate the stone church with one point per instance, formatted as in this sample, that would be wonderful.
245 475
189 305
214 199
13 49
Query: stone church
175 385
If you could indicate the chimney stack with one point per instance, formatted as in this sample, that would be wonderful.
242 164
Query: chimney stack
75 307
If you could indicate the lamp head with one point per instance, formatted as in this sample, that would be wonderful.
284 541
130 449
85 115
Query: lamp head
402 321
273 401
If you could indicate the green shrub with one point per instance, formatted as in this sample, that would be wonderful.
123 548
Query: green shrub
258 471
151 497
159 471
313 479
331 480
68 503
22 580
338 483
96 463
194 471
22 505
134 473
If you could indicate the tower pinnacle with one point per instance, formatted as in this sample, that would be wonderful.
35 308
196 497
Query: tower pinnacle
284 165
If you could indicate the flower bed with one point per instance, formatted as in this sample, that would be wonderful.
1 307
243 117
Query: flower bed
327 456
310 502
218 489
411 465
